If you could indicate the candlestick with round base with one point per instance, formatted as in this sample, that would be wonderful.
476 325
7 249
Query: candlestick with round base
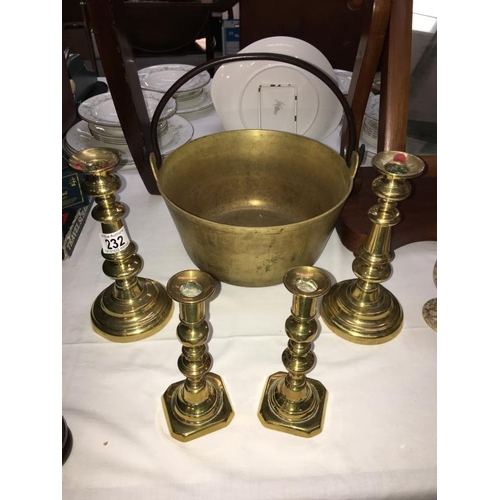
291 402
361 310
199 404
132 308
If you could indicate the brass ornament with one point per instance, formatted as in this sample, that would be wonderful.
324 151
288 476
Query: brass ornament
292 402
361 310
429 310
199 404
132 308
250 204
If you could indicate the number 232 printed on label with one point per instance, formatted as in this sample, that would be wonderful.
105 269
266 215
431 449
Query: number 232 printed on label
114 242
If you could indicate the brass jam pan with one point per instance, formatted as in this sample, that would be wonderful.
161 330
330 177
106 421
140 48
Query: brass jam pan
251 204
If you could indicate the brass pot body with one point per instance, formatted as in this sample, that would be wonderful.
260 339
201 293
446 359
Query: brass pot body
251 204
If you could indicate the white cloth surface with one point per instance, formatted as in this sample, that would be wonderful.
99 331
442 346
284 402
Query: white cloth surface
379 436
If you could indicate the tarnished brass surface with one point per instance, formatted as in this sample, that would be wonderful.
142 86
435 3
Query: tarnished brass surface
132 308
291 402
429 310
361 310
199 404
251 204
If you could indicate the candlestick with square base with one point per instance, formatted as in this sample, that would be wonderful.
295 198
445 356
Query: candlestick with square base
291 402
199 404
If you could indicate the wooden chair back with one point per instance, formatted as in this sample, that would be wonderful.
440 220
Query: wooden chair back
108 20
419 211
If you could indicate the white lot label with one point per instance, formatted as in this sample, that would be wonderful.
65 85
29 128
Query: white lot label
114 242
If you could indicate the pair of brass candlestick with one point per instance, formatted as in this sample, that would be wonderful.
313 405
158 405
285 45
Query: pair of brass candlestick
360 310
291 402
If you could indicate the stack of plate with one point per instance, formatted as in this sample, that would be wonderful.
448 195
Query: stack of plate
100 114
100 126
193 96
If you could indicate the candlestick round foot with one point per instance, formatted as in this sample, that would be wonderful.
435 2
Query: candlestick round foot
190 421
362 322
303 418
130 319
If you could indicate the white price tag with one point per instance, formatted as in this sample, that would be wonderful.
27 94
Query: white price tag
114 242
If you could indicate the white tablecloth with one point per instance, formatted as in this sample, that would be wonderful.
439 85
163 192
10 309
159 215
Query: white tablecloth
379 437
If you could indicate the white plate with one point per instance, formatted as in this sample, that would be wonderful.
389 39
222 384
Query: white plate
180 131
100 109
198 103
278 96
161 77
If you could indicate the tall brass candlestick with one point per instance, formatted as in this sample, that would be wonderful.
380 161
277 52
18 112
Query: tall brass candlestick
132 308
361 310
199 404
291 402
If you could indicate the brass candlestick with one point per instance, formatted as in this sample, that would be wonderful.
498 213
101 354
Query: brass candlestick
291 402
132 308
199 404
361 310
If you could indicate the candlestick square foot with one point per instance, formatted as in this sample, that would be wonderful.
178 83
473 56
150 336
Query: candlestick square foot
186 427
307 422
369 322
134 318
